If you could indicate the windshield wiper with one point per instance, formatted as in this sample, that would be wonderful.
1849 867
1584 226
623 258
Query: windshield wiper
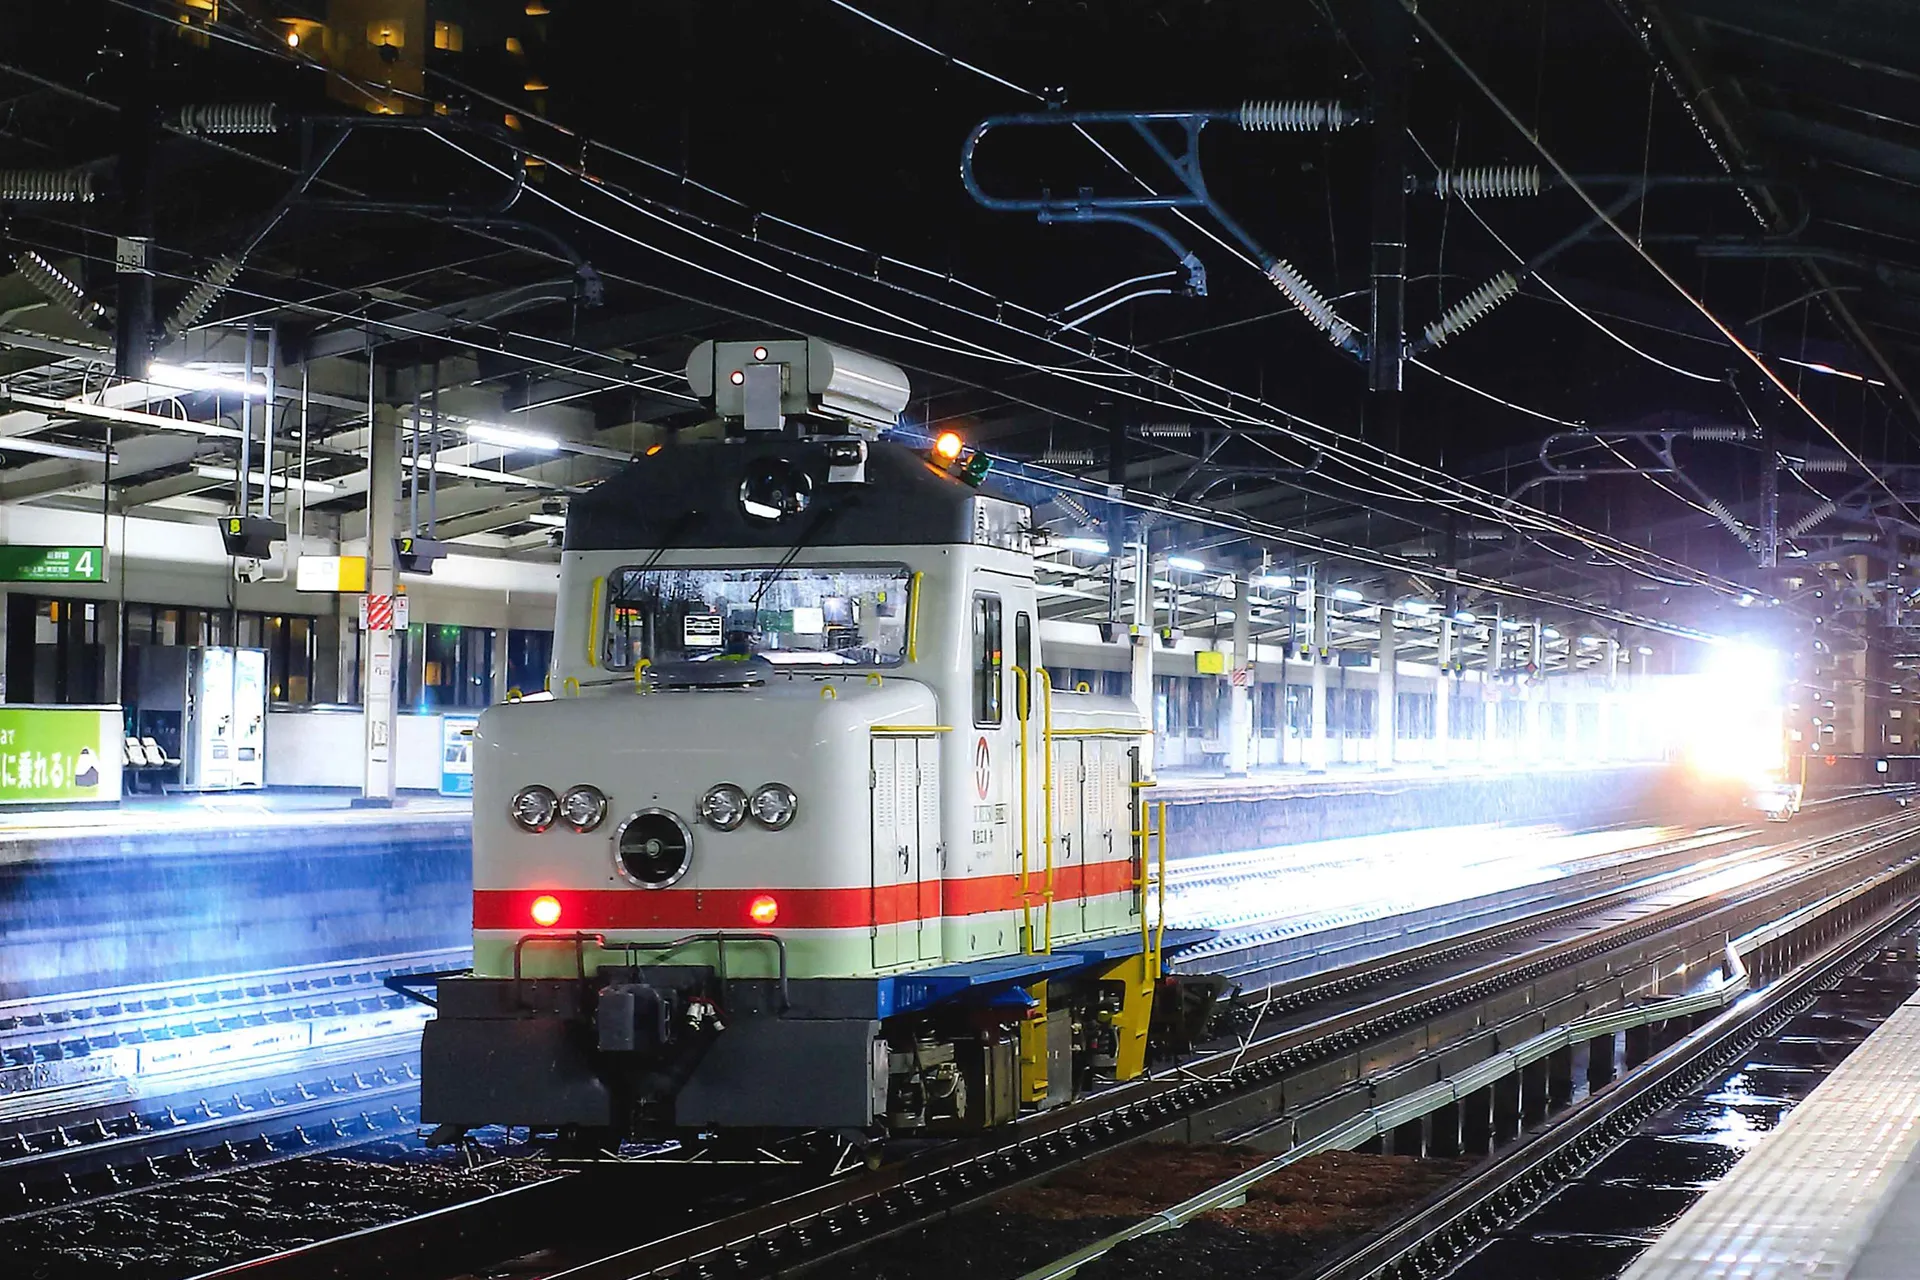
807 535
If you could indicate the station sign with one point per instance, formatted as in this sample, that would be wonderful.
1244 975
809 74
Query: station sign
53 564
59 755
344 574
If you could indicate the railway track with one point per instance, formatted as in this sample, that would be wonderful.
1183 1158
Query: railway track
107 1092
1316 1048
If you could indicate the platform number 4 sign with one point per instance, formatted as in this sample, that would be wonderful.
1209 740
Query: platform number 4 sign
52 564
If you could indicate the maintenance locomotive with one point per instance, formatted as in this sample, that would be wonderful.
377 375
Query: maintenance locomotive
804 838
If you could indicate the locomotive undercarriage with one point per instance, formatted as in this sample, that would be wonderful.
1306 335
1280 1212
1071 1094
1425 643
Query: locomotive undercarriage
669 1050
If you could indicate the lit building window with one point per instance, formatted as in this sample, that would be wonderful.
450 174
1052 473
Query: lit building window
448 36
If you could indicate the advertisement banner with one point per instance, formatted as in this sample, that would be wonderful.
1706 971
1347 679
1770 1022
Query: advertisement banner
456 754
59 755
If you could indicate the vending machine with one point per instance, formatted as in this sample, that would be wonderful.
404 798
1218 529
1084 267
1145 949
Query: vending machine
206 707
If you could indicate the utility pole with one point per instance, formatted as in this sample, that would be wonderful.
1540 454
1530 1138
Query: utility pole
1386 343
133 273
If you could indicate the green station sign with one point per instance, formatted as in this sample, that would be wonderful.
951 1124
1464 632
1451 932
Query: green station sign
53 564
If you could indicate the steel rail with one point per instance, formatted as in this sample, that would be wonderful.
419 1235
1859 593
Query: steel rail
1506 1187
826 1220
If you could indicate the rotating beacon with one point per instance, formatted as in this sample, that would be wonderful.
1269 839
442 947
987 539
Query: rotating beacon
804 840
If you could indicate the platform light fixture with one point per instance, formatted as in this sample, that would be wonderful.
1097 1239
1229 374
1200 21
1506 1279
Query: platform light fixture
1186 564
229 474
186 377
1550 634
1467 617
54 449
1418 608
1348 595
511 438
475 473
1092 546
1274 581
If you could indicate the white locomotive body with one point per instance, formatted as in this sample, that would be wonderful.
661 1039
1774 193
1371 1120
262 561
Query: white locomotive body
803 840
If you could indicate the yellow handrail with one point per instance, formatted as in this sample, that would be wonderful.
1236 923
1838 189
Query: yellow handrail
910 728
593 624
913 617
1046 792
1020 710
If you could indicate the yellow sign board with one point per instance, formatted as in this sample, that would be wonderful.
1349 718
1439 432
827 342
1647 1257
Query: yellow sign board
347 574
1210 662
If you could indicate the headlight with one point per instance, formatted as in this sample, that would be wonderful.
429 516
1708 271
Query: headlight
584 808
653 848
724 807
533 808
773 805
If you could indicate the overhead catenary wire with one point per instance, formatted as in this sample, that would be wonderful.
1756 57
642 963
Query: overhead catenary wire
1639 249
1293 424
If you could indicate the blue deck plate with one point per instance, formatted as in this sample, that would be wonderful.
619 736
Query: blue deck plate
908 992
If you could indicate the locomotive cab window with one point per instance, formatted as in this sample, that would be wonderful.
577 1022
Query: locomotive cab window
987 675
807 616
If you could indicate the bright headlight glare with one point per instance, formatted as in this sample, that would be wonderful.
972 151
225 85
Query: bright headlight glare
724 807
584 808
773 805
533 808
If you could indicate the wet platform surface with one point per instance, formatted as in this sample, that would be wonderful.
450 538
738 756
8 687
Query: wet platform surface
1830 1194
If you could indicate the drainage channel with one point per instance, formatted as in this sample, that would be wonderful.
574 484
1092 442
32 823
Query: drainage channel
1594 1226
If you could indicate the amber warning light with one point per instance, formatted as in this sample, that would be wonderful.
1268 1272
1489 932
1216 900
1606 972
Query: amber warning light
546 911
764 909
948 445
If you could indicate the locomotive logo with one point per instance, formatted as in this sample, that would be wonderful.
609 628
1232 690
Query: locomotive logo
982 767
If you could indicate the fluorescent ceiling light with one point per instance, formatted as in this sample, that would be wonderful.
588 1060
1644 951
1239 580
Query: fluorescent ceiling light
70 409
1186 562
1589 641
49 449
230 475
511 438
1347 594
1092 546
1418 608
550 521
1465 616
192 378
1271 580
1508 624
1645 652
476 473
1550 634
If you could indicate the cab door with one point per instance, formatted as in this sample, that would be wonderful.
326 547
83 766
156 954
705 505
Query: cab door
895 851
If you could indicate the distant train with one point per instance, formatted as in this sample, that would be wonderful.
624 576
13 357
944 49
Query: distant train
805 840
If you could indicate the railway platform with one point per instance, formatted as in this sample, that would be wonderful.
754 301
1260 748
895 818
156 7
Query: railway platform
1831 1193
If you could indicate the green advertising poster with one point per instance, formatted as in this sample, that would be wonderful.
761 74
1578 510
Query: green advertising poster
53 564
57 754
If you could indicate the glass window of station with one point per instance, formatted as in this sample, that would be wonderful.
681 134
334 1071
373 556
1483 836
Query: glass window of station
68 651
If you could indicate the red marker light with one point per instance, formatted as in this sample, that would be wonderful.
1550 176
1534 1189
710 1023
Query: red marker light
737 377
764 909
948 445
759 353
546 911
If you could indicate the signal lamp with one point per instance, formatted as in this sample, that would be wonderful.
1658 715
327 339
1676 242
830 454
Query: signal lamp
948 445
545 911
764 909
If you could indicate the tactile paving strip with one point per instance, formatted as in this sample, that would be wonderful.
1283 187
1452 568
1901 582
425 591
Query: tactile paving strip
1808 1199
